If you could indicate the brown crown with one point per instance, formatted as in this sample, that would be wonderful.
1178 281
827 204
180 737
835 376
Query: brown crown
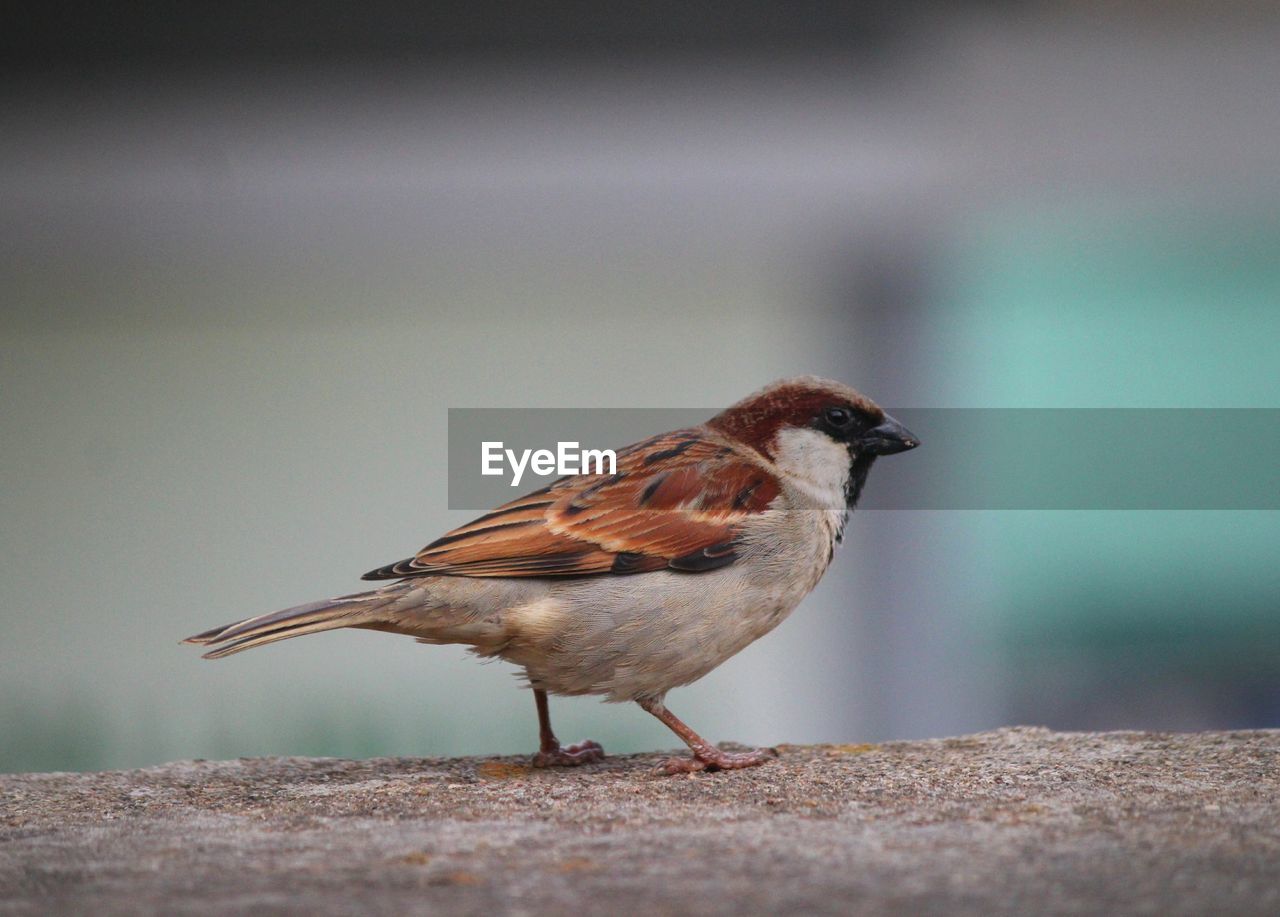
756 419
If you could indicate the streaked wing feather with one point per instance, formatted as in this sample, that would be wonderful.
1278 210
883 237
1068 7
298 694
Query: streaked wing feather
676 502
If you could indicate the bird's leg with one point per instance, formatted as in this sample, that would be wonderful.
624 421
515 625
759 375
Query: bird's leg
551 753
706 757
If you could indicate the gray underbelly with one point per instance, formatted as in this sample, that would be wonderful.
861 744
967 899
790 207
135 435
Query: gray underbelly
626 649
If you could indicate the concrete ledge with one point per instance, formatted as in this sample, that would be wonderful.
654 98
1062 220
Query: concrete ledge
1013 821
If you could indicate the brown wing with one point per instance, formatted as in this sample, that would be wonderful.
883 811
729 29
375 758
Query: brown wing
676 502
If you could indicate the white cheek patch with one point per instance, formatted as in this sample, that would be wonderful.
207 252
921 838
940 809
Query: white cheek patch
816 461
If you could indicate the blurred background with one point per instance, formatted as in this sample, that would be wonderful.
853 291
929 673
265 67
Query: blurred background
251 254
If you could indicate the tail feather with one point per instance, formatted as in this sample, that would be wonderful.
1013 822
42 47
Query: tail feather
329 614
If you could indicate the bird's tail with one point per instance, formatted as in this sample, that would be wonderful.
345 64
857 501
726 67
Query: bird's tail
360 609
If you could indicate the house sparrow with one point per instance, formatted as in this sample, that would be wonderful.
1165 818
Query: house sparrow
631 584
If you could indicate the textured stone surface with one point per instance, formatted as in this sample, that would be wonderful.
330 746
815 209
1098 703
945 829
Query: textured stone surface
1014 821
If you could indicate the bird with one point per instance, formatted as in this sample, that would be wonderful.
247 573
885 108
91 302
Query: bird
629 584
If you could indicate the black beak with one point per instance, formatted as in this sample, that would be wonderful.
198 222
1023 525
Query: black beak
886 439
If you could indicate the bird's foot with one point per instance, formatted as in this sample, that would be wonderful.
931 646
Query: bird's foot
714 759
587 752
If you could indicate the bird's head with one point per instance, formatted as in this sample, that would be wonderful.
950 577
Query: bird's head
815 430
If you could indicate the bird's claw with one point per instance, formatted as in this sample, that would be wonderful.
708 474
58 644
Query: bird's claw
717 761
587 752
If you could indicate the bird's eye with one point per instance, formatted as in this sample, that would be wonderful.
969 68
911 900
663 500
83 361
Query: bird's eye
838 417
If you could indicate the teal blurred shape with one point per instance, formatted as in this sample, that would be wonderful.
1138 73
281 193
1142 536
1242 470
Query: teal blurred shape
1117 305
1113 305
